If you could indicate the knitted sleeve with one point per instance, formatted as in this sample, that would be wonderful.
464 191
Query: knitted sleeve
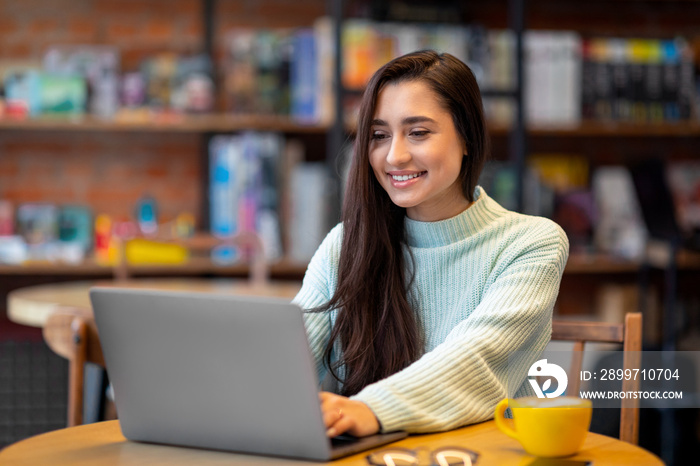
317 290
463 378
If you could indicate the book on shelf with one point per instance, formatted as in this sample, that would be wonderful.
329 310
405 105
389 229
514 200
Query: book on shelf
303 80
240 71
687 95
500 76
273 53
552 77
324 39
294 154
637 80
270 149
259 183
309 187
244 194
670 80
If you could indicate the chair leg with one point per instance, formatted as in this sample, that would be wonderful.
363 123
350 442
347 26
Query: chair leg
75 395
76 376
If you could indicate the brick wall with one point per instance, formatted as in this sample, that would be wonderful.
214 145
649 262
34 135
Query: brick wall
111 170
107 171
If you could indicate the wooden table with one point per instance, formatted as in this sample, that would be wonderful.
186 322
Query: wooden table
102 443
32 305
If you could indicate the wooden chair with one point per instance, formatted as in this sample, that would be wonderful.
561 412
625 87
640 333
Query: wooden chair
71 333
630 335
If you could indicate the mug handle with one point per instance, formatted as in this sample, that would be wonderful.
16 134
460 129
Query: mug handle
499 417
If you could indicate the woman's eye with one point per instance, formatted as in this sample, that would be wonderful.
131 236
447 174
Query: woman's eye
419 133
379 135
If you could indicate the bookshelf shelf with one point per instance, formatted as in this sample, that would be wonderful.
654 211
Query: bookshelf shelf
599 264
577 264
195 266
608 130
179 123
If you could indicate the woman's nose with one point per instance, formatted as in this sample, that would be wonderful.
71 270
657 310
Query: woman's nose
398 152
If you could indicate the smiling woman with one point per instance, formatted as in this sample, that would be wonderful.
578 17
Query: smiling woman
416 300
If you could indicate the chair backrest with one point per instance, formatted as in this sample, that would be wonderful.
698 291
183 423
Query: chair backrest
71 333
630 335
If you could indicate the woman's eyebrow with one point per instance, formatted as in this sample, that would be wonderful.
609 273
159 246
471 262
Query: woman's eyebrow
406 121
417 119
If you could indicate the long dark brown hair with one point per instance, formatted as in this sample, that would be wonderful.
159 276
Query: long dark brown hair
378 330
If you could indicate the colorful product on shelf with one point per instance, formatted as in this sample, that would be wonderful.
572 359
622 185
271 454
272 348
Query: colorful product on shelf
280 72
106 246
37 223
97 65
146 213
75 232
141 251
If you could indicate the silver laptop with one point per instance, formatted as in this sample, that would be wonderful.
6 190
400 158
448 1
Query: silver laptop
215 371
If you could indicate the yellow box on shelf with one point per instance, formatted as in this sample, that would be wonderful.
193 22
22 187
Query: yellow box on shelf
145 251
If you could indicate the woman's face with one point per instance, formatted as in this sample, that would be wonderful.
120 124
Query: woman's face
416 153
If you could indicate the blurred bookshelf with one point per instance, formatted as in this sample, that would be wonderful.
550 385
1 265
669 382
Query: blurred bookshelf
483 33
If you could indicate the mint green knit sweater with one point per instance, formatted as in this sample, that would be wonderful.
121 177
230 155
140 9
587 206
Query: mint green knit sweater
484 288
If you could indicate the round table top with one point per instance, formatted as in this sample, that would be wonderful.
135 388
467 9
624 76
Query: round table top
103 443
32 305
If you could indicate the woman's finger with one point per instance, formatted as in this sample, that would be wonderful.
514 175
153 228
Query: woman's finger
341 426
331 415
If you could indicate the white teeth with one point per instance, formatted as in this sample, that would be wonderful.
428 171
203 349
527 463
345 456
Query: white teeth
405 177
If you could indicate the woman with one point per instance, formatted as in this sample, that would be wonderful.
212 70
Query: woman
419 296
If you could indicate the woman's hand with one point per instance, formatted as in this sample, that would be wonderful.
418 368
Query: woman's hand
341 414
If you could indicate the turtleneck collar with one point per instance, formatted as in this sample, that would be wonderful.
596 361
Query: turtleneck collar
444 232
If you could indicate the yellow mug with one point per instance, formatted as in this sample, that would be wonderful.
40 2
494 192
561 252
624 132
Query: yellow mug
547 427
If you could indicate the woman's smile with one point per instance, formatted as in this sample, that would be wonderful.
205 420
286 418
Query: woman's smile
405 179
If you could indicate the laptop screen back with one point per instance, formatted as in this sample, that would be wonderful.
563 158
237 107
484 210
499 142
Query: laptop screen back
211 371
